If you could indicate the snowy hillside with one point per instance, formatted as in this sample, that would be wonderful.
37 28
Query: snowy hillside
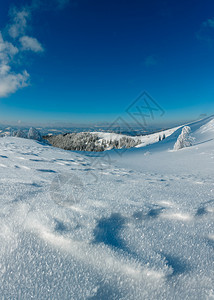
102 141
134 226
141 140
149 139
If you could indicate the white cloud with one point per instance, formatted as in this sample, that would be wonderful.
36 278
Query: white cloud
7 50
19 26
4 70
31 44
19 22
11 82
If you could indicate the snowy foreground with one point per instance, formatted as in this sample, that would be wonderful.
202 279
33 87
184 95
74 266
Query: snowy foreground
133 225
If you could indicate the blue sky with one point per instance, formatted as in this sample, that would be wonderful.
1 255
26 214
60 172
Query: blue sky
87 61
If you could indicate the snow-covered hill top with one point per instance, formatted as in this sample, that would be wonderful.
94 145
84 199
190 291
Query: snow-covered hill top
142 140
139 225
102 141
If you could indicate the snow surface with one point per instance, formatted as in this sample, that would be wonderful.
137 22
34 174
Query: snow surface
134 226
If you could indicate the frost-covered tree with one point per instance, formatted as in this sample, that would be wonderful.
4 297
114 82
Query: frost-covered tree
20 133
184 140
34 134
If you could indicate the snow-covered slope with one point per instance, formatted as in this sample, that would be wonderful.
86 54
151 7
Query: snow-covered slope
136 226
144 139
150 138
104 141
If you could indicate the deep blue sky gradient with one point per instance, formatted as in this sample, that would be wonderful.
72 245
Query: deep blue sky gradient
100 55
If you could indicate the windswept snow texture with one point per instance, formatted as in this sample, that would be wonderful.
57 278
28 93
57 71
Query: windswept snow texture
136 226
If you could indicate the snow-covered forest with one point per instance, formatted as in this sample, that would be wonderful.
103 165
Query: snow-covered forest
85 141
